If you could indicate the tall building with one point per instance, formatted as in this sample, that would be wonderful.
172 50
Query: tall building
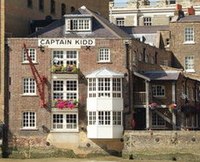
143 13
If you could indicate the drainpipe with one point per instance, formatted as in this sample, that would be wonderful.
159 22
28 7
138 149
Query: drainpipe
128 66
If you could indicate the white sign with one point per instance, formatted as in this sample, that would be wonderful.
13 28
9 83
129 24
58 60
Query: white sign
65 42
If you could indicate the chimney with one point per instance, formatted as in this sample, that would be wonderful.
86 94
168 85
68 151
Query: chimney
178 12
191 11
178 7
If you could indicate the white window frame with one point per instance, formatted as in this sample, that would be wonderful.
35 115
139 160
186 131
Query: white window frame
65 57
189 35
104 55
189 64
30 87
147 21
32 53
117 118
65 93
120 21
78 24
158 90
104 118
65 126
105 87
29 120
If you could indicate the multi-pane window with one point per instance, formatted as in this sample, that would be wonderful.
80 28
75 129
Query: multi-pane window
120 21
92 118
104 55
117 118
53 7
157 120
147 21
41 5
92 87
158 90
29 86
31 53
105 87
105 118
65 121
189 34
66 89
189 63
117 87
29 120
65 58
29 3
78 24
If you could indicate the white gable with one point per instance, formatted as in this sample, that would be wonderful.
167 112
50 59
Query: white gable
105 73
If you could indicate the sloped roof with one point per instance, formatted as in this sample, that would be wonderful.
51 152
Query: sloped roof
190 18
162 75
101 27
105 73
144 29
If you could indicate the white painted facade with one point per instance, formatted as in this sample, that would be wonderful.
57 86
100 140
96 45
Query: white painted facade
105 111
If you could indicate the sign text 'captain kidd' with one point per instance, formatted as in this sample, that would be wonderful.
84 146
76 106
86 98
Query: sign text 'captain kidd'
65 42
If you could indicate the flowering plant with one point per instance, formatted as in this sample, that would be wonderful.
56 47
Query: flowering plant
62 68
61 104
172 107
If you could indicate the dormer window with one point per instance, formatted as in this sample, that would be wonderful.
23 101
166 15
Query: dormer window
78 24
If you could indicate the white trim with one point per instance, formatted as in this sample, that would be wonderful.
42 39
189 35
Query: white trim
141 76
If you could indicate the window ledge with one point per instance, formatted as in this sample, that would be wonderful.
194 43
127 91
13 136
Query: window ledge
27 63
29 129
104 62
64 131
29 95
189 43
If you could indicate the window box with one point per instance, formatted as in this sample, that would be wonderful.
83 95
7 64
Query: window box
64 69
64 104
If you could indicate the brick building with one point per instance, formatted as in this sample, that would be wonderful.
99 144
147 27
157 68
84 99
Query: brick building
87 82
185 36
145 13
16 16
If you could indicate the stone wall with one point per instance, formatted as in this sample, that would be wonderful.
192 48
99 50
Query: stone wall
175 144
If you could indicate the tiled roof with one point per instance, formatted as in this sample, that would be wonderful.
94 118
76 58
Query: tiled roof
191 18
101 27
162 75
144 29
